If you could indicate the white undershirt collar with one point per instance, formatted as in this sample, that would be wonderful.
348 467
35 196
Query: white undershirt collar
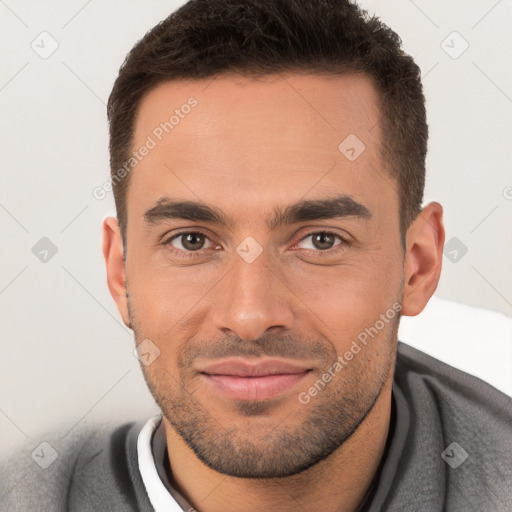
159 496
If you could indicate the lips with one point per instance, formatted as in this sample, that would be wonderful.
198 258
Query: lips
257 368
260 379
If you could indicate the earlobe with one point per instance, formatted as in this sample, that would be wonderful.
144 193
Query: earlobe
423 259
116 274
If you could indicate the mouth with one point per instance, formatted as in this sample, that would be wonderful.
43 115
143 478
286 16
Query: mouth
257 380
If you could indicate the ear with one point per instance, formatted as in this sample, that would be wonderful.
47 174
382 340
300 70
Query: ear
113 253
423 259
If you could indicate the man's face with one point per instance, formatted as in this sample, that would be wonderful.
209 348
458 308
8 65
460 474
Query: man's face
256 290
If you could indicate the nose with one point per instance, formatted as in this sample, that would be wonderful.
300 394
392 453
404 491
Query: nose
251 299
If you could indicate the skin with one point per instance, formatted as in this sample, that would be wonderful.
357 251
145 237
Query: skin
247 148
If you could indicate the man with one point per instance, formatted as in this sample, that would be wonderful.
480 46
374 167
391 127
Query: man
268 166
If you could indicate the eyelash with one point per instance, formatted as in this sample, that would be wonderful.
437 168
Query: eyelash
342 246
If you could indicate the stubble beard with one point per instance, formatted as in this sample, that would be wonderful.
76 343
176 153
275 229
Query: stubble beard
283 449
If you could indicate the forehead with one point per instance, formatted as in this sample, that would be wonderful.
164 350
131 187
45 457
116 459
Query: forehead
259 141
249 111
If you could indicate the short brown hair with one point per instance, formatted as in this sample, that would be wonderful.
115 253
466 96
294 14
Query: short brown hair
205 38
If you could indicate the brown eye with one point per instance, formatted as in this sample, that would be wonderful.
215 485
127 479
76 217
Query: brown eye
188 241
323 241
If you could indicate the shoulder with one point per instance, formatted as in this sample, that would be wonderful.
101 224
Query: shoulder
421 375
461 427
65 467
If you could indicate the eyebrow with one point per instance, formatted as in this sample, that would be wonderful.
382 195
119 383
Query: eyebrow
339 206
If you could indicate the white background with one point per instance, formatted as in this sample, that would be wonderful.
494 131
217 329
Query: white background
66 356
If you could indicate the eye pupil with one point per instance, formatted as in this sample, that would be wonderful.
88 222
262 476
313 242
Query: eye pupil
320 237
190 238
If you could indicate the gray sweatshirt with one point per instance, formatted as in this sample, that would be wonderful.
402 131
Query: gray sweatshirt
449 448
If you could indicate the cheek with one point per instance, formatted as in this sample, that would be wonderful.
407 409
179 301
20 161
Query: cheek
156 289
166 303
351 297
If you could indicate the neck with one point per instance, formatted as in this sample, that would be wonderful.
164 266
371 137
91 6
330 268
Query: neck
339 483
